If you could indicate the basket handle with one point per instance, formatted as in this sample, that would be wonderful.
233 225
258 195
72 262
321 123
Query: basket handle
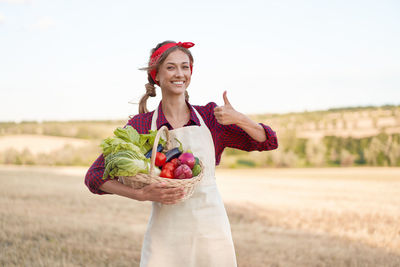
154 151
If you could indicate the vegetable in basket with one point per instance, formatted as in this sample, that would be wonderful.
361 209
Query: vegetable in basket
146 141
128 153
183 172
124 152
159 149
175 162
196 170
160 159
125 139
188 159
114 144
128 134
168 170
175 152
172 154
184 167
125 163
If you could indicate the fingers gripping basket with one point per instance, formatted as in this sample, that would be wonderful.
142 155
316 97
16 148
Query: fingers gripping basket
142 179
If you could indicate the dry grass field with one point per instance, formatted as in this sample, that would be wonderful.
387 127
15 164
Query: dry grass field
279 217
39 143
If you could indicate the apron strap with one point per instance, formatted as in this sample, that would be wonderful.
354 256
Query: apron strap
199 117
154 120
155 116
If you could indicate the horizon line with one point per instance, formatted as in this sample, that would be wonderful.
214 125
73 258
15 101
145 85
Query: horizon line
332 109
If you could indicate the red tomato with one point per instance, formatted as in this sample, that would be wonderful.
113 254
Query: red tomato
176 162
160 159
169 166
167 173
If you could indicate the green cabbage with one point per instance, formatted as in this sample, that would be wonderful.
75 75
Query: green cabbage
125 163
124 152
114 144
128 134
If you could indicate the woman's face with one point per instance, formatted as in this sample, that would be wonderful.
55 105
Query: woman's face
174 73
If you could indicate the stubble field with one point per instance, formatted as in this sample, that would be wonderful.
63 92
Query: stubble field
279 217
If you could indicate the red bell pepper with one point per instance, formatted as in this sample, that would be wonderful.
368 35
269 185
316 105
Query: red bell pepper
167 173
160 159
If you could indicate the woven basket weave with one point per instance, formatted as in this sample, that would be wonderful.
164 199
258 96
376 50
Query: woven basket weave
142 179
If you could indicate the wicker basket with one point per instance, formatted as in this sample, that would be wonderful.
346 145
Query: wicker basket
141 179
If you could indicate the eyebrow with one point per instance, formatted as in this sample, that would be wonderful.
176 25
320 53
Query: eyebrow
175 64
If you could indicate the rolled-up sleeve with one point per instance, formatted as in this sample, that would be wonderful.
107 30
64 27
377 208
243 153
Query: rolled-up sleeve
94 176
235 137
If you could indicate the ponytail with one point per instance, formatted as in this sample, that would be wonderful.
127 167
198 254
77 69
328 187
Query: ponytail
150 91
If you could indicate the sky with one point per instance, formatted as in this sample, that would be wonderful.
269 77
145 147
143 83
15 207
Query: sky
80 60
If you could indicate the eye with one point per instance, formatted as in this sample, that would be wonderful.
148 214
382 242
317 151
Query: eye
185 67
170 68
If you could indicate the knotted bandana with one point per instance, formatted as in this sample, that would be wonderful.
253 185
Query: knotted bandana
157 54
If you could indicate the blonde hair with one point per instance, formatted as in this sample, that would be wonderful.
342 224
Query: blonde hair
150 86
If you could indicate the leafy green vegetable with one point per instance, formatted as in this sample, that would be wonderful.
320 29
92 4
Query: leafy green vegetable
125 163
146 141
128 134
124 152
114 144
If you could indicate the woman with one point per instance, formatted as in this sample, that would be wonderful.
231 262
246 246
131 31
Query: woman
195 232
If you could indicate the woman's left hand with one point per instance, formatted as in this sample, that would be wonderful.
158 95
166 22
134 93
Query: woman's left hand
226 114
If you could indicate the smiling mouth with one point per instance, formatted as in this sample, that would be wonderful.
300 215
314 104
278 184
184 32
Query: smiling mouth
179 83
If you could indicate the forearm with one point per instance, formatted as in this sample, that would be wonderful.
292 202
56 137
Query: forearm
158 192
253 129
115 187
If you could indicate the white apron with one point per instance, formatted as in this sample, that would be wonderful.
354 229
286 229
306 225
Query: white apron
196 232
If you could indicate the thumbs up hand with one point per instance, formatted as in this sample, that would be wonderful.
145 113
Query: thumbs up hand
226 114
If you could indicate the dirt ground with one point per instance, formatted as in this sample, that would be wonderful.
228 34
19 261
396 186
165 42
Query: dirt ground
279 217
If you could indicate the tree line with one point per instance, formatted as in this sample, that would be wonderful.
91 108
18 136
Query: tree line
329 151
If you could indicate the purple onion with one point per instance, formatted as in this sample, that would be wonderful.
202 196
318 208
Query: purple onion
188 159
183 171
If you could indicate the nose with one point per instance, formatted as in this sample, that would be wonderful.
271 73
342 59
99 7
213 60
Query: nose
179 72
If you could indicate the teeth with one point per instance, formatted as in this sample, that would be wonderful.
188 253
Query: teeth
177 82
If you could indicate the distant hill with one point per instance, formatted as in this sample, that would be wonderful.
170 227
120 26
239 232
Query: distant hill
351 136
355 122
344 122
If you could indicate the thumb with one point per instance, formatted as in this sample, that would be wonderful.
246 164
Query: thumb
226 101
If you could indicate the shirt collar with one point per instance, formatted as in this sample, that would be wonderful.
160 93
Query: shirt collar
161 120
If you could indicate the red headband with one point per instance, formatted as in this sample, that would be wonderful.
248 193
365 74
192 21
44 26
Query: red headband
157 54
